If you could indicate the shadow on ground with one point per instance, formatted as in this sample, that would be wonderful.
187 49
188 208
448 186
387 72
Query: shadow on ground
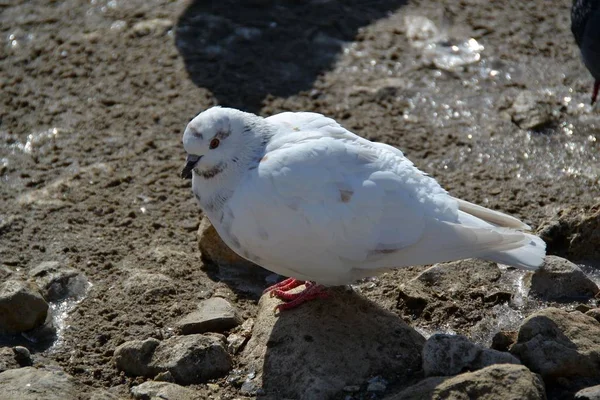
244 51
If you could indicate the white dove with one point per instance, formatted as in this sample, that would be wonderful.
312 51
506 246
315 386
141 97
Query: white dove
303 197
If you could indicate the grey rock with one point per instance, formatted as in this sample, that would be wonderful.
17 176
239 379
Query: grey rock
149 287
192 358
213 315
531 111
496 382
594 313
38 384
164 391
133 357
590 393
22 307
445 354
15 357
557 343
324 346
560 279
57 282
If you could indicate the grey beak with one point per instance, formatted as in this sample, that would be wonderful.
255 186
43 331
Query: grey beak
190 163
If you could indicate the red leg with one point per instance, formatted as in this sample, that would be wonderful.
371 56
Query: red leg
293 300
284 285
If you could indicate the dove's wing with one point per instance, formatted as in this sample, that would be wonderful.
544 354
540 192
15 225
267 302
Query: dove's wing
340 207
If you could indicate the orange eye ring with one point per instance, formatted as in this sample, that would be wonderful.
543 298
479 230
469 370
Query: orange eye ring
214 143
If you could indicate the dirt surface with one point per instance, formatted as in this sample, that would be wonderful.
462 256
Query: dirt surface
96 94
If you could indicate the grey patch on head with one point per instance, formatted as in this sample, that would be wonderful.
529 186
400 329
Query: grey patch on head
346 195
262 233
196 134
213 171
222 134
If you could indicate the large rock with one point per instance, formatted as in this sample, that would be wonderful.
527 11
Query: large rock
574 233
590 393
165 391
325 345
496 382
37 384
192 358
187 359
560 279
213 315
458 292
22 307
556 343
58 282
445 354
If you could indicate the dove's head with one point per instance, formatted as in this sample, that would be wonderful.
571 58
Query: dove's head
218 139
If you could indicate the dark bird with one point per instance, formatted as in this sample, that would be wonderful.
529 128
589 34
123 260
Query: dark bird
585 25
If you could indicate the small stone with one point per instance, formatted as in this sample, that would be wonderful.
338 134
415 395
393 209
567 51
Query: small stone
133 357
249 388
36 384
57 282
560 279
149 287
503 340
164 377
556 343
163 390
351 389
590 393
500 381
156 26
213 386
213 315
594 313
192 358
7 359
530 111
377 384
22 307
445 354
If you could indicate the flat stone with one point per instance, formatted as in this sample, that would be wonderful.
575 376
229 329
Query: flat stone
496 382
164 391
560 279
22 307
213 315
38 384
557 343
445 354
133 357
57 282
326 345
590 393
192 358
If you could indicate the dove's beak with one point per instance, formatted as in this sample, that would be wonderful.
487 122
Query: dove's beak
190 163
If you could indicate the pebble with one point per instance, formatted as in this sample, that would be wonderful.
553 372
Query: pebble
213 315
15 357
164 391
156 26
560 279
22 307
556 343
503 340
445 354
530 111
57 282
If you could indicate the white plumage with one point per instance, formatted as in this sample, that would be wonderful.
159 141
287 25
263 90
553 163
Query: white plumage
303 197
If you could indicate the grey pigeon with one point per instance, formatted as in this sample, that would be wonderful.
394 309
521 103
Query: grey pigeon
585 25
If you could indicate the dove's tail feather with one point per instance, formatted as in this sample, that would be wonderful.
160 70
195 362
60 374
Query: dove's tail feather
529 256
490 216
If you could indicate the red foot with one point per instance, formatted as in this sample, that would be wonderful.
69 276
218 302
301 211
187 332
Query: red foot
284 286
293 300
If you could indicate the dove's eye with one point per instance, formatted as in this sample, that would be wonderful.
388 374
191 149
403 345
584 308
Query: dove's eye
214 144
